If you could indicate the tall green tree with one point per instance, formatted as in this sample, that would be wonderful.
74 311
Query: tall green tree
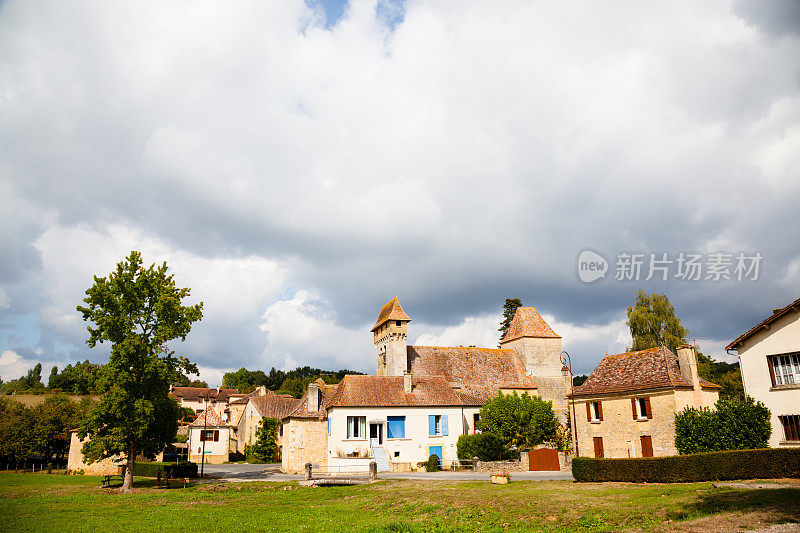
653 323
138 310
265 449
521 421
509 308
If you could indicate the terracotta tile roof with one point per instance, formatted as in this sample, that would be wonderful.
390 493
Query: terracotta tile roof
198 393
274 406
214 419
390 311
243 399
480 372
764 324
527 322
655 368
388 391
327 392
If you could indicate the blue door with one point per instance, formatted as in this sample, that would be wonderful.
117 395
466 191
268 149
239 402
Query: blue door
436 450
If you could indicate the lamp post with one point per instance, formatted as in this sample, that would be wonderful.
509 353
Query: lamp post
203 434
567 362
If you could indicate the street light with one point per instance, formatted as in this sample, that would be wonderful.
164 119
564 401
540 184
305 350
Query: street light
203 435
567 362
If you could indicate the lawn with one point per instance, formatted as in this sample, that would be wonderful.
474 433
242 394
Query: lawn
41 502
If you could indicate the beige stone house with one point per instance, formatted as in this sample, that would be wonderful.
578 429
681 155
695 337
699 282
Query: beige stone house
769 359
627 406
200 398
256 408
422 398
211 437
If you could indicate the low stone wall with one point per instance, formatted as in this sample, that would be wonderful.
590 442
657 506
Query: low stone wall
503 466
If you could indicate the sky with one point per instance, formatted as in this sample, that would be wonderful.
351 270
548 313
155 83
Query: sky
299 163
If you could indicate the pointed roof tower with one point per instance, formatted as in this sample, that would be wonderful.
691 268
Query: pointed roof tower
391 311
527 322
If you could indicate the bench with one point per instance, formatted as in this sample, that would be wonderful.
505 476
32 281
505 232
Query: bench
109 477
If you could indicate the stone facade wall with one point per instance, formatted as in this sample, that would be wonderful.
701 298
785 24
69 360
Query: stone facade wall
304 441
542 361
621 433
100 468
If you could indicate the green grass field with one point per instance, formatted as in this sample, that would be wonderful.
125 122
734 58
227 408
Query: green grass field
40 502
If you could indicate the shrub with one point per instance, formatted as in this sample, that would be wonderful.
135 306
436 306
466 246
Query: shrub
521 421
433 464
735 425
171 470
484 446
767 463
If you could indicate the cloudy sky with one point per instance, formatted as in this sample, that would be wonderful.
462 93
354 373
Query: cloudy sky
297 164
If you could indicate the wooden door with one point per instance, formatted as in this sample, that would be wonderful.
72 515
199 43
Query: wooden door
598 447
543 459
647 445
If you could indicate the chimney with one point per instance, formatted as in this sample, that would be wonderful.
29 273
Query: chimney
313 397
407 383
687 360
777 310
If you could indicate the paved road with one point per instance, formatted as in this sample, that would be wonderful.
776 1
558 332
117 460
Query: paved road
271 472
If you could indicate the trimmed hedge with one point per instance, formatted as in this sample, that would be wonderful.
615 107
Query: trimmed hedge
769 463
170 469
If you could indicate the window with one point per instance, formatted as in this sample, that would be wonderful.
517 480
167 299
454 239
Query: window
395 427
641 408
791 427
209 435
356 427
329 425
398 323
437 425
397 454
647 445
475 419
784 369
594 411
598 447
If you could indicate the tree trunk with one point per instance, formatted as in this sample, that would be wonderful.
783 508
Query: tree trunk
127 482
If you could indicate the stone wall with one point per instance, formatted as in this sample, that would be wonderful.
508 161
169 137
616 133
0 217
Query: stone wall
621 433
305 440
76 462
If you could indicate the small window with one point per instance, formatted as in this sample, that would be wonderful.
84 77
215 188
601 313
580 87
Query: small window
791 427
594 411
396 427
397 454
437 425
642 408
356 427
475 419
398 323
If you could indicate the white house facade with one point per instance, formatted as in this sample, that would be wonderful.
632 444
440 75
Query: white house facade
769 359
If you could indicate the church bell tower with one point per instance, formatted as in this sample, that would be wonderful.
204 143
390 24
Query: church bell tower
390 335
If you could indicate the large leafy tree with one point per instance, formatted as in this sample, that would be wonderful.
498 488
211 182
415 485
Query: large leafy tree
653 323
521 421
138 310
265 449
509 308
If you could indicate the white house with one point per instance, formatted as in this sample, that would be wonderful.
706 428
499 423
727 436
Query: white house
210 437
769 359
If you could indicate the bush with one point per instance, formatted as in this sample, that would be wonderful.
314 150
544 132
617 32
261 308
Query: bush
484 446
433 464
170 469
767 463
521 421
735 425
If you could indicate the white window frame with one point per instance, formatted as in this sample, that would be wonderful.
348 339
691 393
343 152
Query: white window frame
786 369
595 411
437 425
641 408
354 423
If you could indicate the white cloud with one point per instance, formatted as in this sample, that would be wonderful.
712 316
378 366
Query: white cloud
14 366
472 331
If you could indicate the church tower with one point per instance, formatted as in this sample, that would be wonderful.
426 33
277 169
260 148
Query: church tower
391 339
539 349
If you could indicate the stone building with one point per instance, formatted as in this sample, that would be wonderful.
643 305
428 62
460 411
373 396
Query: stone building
256 408
76 462
769 358
422 398
211 437
627 406
200 398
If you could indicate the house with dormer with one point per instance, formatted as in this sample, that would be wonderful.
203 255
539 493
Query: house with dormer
422 398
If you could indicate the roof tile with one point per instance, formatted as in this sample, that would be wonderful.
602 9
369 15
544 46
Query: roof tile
527 322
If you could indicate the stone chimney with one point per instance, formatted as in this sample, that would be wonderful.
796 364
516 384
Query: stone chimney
687 360
407 383
313 397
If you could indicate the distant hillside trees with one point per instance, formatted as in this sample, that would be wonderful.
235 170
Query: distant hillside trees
293 382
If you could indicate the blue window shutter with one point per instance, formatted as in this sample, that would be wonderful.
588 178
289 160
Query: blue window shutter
431 425
444 424
329 425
